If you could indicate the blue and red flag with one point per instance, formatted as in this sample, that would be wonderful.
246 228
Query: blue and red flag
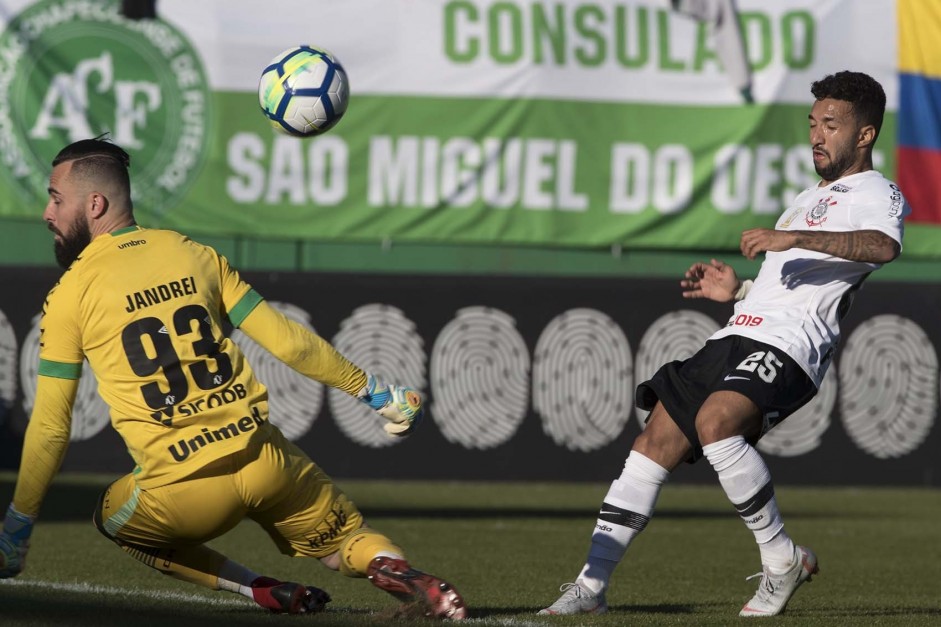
919 111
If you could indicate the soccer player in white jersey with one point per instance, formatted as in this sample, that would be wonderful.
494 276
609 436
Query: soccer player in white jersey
770 357
149 310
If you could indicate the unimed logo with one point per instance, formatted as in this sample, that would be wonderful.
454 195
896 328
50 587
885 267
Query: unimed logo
73 69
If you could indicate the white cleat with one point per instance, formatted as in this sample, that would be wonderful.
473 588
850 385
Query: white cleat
775 591
576 599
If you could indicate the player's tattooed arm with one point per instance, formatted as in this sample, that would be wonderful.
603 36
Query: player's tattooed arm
865 246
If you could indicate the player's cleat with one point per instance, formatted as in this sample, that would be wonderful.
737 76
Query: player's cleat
287 597
576 599
436 598
775 591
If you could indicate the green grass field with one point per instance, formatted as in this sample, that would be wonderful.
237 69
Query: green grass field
507 548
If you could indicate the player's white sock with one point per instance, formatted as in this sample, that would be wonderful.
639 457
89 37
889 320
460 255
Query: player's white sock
747 482
236 578
627 508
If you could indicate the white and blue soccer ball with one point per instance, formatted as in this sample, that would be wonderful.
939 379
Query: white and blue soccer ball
304 91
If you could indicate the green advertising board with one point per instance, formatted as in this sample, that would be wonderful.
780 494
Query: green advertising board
568 125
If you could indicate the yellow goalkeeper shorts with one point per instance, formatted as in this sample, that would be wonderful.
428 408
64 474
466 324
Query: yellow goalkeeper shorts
273 483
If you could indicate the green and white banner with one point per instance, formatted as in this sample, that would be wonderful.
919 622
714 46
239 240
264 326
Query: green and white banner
570 123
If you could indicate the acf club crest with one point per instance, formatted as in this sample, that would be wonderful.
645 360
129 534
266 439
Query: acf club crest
72 69
818 214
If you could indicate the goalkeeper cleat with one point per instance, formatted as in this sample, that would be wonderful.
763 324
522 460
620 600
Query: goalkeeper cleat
287 597
775 591
434 597
576 599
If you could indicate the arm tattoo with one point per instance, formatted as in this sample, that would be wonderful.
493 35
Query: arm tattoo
866 246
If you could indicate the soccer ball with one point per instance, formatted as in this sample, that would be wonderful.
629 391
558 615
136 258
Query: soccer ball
304 91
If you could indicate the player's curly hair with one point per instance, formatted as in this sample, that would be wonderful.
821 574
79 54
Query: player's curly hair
861 90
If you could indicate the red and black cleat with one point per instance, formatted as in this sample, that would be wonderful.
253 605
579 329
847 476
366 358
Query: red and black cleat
436 597
285 597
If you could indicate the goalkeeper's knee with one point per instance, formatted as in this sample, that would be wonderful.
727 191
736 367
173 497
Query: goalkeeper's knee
98 518
361 547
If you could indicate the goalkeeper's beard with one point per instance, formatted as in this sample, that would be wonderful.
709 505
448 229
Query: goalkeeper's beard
70 245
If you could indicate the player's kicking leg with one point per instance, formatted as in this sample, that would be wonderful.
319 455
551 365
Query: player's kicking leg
775 590
626 510
746 480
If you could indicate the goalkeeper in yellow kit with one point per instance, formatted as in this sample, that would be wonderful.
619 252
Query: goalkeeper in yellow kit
146 308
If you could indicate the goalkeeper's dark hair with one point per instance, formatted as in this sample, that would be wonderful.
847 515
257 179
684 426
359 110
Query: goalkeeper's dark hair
862 91
97 159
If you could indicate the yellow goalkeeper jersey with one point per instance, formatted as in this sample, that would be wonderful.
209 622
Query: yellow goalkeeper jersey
146 308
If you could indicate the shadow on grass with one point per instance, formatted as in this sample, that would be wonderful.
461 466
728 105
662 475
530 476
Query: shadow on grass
69 502
627 610
866 612
32 607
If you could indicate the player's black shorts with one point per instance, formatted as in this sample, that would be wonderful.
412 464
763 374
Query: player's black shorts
763 373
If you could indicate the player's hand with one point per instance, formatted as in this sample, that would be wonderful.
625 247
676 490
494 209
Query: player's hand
714 280
757 241
14 542
400 405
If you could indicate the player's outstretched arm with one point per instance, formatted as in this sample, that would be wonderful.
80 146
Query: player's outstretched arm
44 447
314 357
301 349
868 246
714 280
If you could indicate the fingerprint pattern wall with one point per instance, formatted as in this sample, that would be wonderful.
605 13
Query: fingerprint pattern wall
7 365
583 380
582 371
541 386
889 379
480 379
381 340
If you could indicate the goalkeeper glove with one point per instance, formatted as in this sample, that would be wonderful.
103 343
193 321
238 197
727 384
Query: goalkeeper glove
14 542
400 405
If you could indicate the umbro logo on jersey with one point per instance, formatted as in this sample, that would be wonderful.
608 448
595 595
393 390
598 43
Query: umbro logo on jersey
729 377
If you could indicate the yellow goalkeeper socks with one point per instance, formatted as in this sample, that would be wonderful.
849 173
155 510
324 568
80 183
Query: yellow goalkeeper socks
195 564
361 547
